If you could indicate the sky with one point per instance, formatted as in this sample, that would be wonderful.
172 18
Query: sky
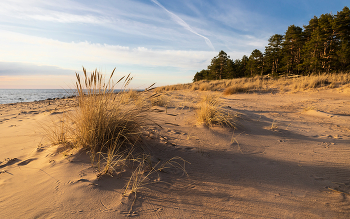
44 42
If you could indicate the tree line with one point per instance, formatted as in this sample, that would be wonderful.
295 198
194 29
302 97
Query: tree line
322 46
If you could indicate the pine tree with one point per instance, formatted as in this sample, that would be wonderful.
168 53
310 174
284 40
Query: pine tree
327 56
244 67
203 75
273 54
341 28
292 47
313 46
255 63
220 66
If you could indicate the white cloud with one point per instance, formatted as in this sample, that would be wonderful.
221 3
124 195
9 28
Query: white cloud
21 68
70 18
51 12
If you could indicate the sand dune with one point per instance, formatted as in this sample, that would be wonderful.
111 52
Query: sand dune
289 158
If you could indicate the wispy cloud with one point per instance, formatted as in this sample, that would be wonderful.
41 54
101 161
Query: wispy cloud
47 11
181 22
70 18
43 51
21 68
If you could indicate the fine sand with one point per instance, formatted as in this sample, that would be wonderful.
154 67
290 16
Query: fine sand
288 158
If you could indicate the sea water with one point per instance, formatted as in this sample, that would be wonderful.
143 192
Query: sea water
29 95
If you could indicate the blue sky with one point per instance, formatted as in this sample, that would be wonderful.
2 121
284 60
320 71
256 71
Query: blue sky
44 42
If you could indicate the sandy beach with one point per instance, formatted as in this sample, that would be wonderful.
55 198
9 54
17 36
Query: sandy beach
288 158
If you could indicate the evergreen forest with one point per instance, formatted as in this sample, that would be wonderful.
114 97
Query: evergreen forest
322 46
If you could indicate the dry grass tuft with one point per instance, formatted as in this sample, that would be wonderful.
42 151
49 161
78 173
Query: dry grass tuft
57 131
172 88
128 96
235 89
204 87
145 168
195 86
105 123
245 85
312 82
160 100
210 112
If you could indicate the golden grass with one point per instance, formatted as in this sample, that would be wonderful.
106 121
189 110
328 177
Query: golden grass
238 88
160 100
127 96
145 168
205 86
105 123
210 112
57 131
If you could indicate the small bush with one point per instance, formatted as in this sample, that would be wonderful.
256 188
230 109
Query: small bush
210 112
318 82
160 100
195 86
103 122
237 88
132 95
204 87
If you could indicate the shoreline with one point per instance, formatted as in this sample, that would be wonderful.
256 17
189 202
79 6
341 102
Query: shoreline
67 96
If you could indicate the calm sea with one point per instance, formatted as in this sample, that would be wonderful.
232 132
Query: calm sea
29 95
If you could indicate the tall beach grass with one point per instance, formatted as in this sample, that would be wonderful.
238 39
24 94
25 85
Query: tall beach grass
105 123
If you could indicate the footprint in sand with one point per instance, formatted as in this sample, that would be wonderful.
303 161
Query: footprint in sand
323 136
79 180
55 113
9 161
40 149
298 194
25 162
320 178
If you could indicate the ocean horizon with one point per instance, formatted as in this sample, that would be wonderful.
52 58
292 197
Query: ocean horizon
8 96
29 95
